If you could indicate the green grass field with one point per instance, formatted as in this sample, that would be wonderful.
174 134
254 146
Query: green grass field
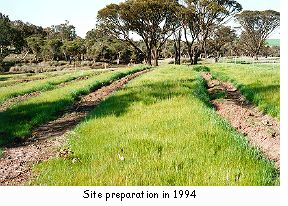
13 79
18 120
41 85
159 130
260 84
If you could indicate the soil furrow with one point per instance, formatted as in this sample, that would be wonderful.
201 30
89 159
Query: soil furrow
262 131
10 102
45 141
20 98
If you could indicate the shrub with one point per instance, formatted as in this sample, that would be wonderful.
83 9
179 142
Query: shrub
201 69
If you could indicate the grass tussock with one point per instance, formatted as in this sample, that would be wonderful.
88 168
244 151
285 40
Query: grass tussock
158 130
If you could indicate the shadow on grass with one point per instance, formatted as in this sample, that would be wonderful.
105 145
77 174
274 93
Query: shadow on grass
119 104
251 90
149 94
17 122
254 92
4 78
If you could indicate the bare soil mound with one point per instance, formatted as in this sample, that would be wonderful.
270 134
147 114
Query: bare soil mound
262 131
45 141
8 103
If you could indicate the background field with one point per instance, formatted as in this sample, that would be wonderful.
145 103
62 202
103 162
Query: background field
259 83
159 130
18 121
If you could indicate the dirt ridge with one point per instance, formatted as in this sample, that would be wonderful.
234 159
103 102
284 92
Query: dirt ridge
19 98
261 130
45 141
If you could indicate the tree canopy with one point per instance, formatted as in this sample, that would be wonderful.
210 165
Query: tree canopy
152 20
138 30
201 17
257 26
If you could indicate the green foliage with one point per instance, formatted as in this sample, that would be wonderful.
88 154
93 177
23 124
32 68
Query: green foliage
73 49
11 40
27 29
257 26
52 49
220 41
16 36
165 134
39 85
62 31
35 44
153 20
199 20
45 44
18 121
260 84
106 48
201 68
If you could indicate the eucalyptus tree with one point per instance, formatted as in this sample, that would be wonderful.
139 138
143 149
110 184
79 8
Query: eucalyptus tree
51 49
35 44
220 39
11 40
257 26
154 21
64 31
74 49
200 17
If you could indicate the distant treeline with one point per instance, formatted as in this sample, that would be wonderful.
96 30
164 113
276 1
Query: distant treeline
164 29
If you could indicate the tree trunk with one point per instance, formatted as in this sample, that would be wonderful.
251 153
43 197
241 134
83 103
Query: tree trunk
1 63
118 58
256 55
149 57
191 56
177 55
189 46
196 56
155 57
217 57
177 48
1 67
205 51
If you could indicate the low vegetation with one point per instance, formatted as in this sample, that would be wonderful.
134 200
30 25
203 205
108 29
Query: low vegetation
159 130
259 83
41 85
13 79
20 119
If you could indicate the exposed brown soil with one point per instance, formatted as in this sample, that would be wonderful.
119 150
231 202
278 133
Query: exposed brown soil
46 140
8 103
23 81
262 131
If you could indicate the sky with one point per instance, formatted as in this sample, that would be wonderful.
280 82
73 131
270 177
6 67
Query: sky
82 13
